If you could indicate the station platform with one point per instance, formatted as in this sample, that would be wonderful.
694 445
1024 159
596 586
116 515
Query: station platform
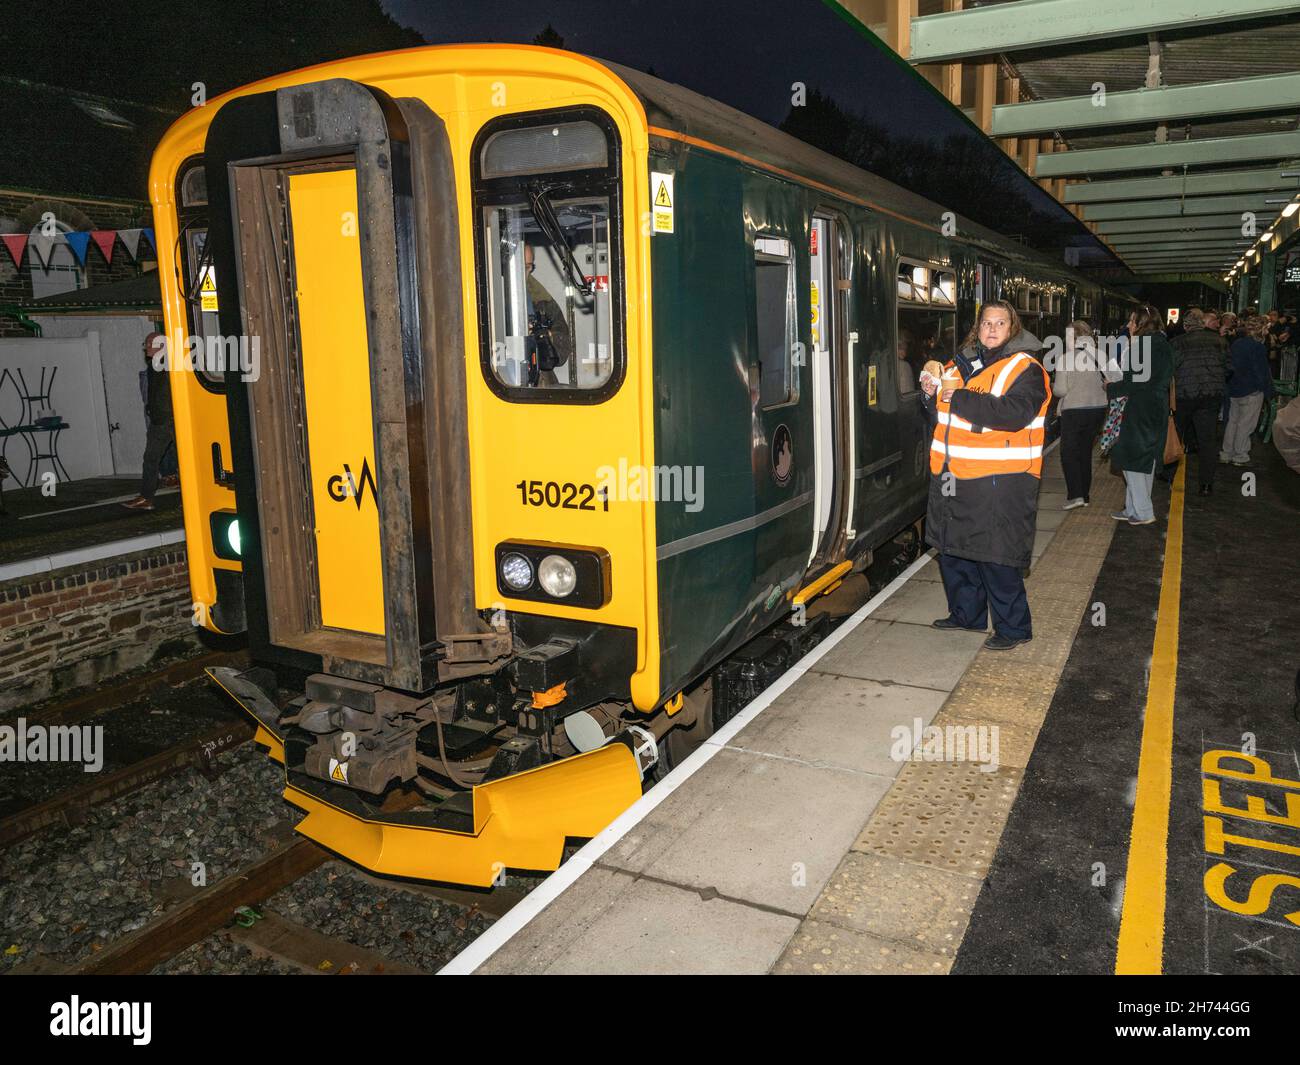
78 515
1055 818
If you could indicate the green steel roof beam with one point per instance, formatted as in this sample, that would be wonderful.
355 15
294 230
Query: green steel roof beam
1234 253
1178 258
1180 224
1138 107
1193 205
1216 279
1245 149
1199 184
1181 260
1191 246
1048 23
1223 236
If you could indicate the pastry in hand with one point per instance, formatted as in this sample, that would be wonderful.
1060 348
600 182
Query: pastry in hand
931 373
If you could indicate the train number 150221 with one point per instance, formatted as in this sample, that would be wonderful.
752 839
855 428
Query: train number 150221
567 496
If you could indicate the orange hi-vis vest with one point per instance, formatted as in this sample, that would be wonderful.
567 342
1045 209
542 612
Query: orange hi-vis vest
971 451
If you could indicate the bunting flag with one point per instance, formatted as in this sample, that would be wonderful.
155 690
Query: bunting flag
130 240
16 243
104 240
78 242
43 247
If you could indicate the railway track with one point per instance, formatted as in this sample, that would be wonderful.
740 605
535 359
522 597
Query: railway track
81 706
234 909
68 807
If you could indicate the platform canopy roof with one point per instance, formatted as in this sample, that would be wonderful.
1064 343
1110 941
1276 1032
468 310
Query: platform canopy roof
1176 123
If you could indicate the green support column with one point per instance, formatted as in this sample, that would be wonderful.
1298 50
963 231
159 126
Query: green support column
1267 282
1243 289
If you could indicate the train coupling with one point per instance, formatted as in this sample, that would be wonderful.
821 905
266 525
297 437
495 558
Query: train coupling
361 735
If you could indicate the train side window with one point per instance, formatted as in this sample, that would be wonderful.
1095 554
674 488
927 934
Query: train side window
197 270
547 188
926 326
775 304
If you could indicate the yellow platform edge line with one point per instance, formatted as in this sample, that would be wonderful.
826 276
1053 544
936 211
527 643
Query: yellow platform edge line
1141 946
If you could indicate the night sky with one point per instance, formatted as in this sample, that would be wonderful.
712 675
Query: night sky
744 53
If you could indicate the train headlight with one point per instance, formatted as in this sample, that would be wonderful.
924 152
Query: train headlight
557 575
567 575
516 572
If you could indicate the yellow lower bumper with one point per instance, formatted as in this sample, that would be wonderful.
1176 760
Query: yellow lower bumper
520 822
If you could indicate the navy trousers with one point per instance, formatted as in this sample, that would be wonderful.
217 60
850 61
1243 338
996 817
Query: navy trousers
976 587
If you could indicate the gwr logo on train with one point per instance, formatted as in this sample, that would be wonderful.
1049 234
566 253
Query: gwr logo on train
345 485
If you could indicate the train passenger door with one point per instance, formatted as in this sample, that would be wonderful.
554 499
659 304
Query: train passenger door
331 250
832 413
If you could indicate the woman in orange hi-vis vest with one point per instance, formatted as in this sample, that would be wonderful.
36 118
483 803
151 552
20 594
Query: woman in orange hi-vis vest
986 461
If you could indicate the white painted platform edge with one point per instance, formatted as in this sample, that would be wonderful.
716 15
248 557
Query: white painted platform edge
554 885
48 563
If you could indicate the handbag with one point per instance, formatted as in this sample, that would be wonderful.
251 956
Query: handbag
1173 442
1114 420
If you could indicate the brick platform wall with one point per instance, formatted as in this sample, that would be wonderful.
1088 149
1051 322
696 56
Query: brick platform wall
75 627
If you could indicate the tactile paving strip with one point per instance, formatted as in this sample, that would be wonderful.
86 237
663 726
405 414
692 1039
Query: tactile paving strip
944 819
945 815
891 899
827 949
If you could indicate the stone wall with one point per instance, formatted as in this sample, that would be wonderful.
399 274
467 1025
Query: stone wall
78 626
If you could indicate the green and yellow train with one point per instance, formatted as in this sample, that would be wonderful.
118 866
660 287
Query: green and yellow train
532 388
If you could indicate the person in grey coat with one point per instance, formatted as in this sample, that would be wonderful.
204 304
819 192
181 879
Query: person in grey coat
1080 385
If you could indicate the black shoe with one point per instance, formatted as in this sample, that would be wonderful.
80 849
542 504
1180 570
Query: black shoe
949 623
1004 643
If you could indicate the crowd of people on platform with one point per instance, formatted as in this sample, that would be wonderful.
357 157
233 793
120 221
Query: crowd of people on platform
1207 368
1157 394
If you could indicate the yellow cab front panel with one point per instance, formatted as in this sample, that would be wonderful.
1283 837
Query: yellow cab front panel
533 467
536 445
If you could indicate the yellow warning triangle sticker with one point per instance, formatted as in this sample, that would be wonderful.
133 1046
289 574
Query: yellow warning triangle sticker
662 198
209 285
338 773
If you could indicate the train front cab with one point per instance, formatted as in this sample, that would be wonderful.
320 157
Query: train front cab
401 460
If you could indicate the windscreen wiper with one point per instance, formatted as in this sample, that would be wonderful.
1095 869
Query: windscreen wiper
539 198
